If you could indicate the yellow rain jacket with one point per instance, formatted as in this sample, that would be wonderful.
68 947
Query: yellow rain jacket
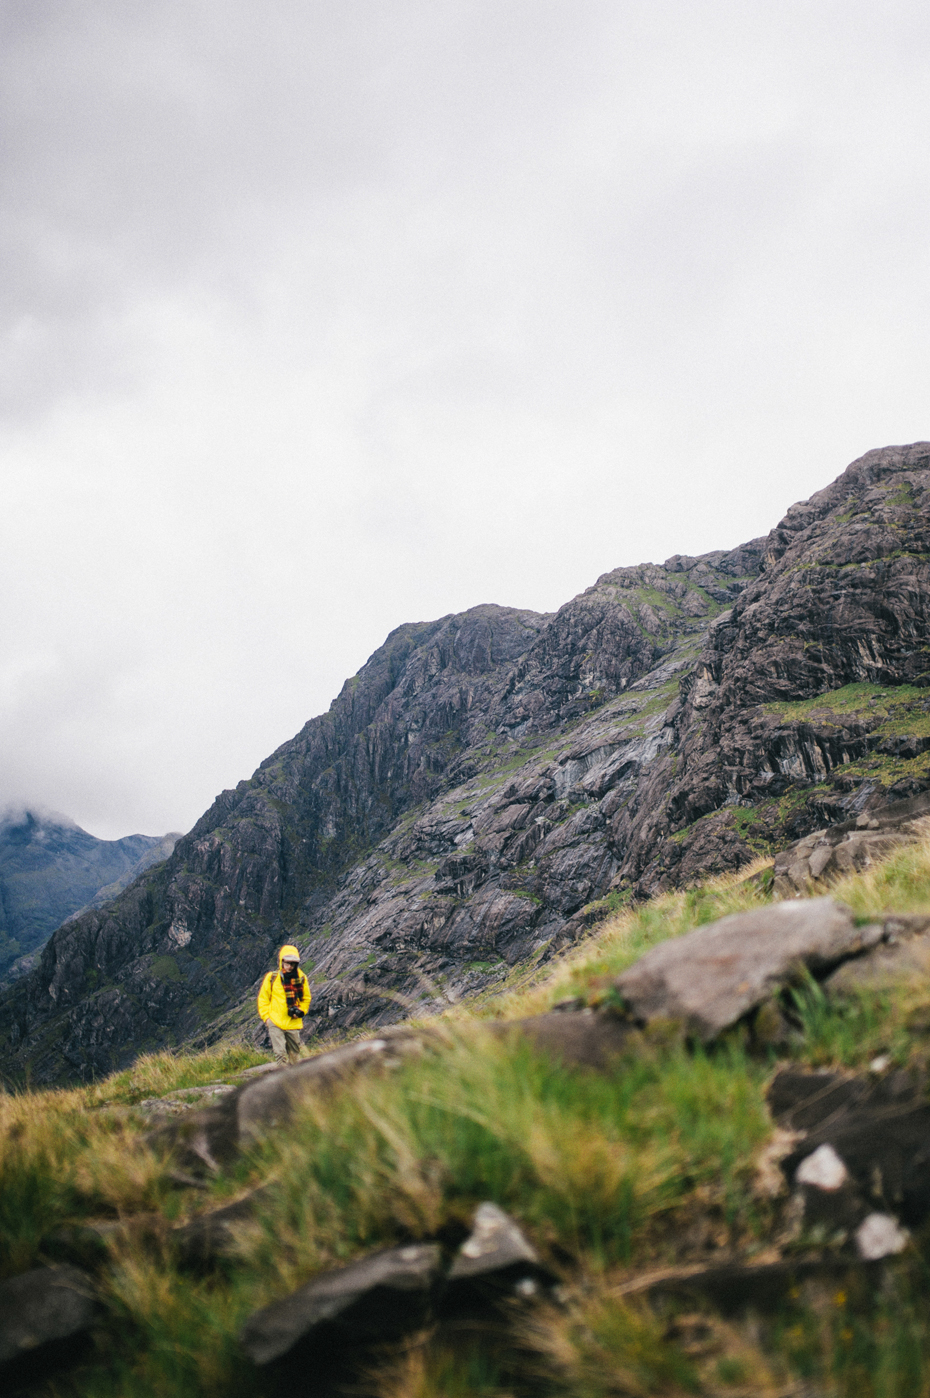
272 1001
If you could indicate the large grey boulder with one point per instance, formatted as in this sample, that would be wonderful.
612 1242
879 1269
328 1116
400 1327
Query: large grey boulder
376 1298
267 1101
43 1315
713 976
584 1038
207 1140
903 956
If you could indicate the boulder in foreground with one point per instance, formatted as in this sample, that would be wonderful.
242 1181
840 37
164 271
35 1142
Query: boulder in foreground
376 1298
713 976
44 1314
495 1259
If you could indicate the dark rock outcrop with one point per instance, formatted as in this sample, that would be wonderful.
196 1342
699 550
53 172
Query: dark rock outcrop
580 1038
735 1286
490 783
45 1315
494 1261
715 975
211 1236
379 1297
327 1327
861 1163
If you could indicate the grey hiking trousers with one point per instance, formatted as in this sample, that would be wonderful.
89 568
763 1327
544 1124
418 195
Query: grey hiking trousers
285 1043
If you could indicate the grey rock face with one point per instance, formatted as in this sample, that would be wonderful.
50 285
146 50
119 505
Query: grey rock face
713 976
377 1298
41 1313
895 961
490 783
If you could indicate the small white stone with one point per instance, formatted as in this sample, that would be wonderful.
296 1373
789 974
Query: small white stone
879 1064
526 1286
823 1169
880 1235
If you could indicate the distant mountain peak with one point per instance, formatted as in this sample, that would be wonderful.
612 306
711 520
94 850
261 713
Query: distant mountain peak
35 815
51 869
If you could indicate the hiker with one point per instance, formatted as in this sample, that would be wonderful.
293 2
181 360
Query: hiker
283 1001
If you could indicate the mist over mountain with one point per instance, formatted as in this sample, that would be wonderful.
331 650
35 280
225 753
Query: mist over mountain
491 783
51 869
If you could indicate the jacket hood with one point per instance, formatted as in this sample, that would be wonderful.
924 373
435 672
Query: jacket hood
286 951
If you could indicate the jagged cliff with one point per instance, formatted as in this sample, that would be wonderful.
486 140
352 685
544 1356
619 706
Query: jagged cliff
488 783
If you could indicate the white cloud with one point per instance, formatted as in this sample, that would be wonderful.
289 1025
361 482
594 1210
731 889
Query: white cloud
322 318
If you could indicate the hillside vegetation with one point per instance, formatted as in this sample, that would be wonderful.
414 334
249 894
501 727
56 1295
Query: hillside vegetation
613 1176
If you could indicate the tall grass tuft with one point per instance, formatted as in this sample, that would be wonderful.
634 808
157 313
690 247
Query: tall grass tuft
611 1175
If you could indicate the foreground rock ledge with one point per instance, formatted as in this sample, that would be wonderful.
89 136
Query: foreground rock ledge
43 1313
713 976
394 1292
375 1298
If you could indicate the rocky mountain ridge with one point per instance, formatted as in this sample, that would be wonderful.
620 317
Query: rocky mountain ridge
490 782
51 869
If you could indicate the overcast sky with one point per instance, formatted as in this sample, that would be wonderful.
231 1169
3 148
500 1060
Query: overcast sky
319 316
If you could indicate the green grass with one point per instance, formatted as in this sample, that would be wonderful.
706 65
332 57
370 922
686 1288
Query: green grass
892 705
609 1173
156 1074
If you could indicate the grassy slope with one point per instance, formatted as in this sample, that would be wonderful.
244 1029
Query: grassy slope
611 1176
